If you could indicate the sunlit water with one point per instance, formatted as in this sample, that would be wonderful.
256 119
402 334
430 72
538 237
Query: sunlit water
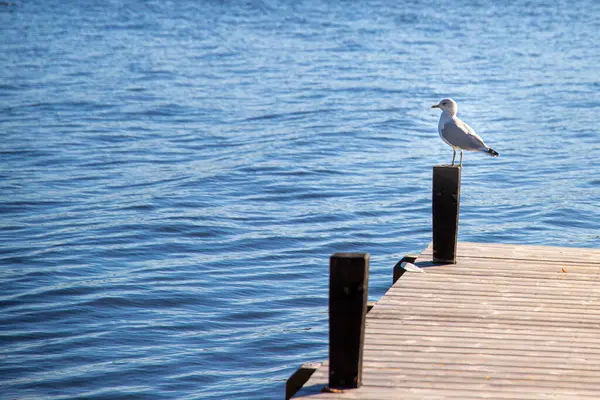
175 175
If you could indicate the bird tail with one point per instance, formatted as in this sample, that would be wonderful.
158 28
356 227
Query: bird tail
492 152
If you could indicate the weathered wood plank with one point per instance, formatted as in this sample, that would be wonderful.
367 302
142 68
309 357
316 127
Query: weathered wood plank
530 299
416 368
446 320
539 311
476 293
520 252
523 382
502 284
475 331
564 320
435 324
525 269
506 340
468 346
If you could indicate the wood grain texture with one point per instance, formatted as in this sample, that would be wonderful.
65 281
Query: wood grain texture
504 322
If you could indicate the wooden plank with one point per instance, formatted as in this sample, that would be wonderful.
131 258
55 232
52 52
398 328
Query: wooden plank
541 310
466 328
521 252
446 369
436 361
526 298
523 382
383 327
435 324
506 318
522 322
553 276
475 293
587 339
492 346
517 270
506 285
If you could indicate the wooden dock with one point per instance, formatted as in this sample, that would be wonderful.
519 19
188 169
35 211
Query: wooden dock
504 322
470 321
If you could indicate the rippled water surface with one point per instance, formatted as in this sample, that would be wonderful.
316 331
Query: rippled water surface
175 174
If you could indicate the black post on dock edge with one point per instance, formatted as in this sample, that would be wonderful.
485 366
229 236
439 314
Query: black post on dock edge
348 291
445 210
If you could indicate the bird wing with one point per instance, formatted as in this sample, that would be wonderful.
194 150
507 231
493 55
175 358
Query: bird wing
461 135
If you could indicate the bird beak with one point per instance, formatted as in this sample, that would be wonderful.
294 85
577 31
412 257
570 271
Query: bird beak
436 106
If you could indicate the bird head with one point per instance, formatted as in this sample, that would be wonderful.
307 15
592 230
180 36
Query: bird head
447 105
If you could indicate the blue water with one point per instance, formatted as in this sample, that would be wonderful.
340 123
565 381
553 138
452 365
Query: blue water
174 175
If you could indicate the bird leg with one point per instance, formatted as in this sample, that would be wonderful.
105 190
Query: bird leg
453 155
461 152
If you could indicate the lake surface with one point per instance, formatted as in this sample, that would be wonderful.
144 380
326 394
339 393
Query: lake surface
174 175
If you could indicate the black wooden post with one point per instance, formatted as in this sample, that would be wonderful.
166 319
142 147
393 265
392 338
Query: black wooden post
445 210
299 378
348 290
398 270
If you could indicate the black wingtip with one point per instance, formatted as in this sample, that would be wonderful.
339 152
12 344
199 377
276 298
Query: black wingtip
493 152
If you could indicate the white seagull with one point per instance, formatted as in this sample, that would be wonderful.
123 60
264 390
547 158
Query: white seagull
457 134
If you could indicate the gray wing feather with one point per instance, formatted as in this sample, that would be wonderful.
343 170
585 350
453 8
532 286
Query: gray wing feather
459 134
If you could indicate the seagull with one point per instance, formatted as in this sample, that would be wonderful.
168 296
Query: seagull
457 134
